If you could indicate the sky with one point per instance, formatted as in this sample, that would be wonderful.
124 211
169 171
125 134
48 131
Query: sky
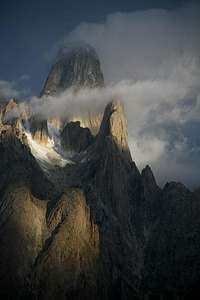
150 57
30 29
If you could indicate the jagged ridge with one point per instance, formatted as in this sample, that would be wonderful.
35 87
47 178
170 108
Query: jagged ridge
101 230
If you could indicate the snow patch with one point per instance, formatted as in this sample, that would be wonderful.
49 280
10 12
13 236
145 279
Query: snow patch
46 155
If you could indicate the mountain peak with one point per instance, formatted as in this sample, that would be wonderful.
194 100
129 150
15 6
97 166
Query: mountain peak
74 67
147 175
79 49
114 125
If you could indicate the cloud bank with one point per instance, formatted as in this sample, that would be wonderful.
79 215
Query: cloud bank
159 116
151 59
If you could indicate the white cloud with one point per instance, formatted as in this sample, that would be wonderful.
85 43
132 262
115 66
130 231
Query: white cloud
147 150
12 89
153 59
8 89
146 44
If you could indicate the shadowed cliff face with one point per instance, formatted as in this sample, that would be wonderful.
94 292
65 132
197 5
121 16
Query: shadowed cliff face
97 228
79 67
22 234
75 138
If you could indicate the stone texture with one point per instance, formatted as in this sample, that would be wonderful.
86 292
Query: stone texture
79 67
76 68
39 130
22 234
66 267
75 138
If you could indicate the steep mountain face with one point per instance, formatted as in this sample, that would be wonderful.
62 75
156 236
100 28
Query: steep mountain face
9 112
79 67
172 263
13 113
66 268
23 187
152 194
114 191
94 228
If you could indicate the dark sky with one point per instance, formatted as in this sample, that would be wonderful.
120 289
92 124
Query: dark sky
29 29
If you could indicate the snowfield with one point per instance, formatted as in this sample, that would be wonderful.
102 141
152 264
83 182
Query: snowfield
46 155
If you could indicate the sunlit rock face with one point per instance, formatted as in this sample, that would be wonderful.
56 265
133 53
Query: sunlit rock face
67 266
19 115
94 227
9 112
12 117
38 129
22 219
114 124
77 68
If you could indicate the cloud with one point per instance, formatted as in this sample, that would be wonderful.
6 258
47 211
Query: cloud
151 61
157 113
11 89
8 89
144 44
